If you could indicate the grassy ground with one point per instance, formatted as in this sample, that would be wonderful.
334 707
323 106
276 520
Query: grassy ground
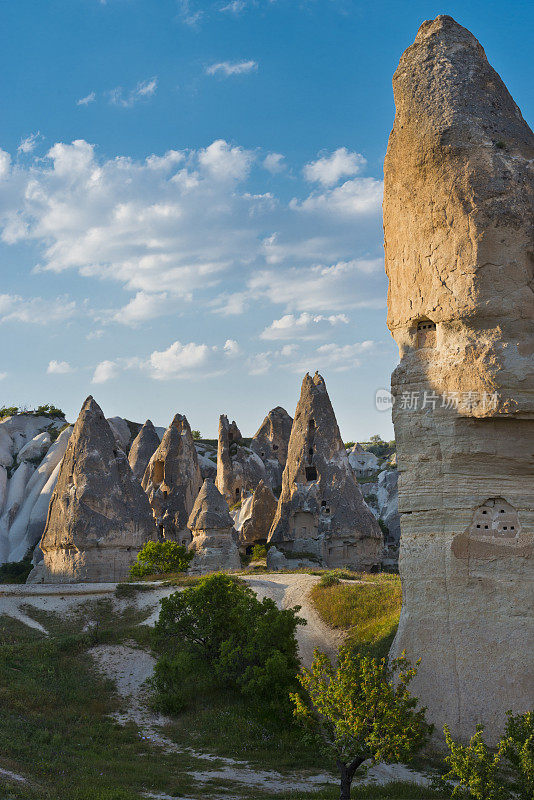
368 611
55 727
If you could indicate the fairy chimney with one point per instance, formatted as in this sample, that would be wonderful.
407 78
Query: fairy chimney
213 544
270 443
99 517
143 447
458 222
172 481
321 510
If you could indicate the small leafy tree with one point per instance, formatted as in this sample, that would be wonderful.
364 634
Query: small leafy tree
245 643
259 551
477 772
196 434
363 710
156 558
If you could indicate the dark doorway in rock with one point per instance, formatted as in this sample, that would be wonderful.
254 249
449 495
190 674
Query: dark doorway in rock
311 473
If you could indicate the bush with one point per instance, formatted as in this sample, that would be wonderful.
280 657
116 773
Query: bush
259 551
245 644
157 558
16 571
478 773
329 579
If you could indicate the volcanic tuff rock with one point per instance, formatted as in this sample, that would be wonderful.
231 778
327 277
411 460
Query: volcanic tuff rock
239 469
213 532
143 448
172 481
255 523
362 461
99 516
321 510
270 443
458 222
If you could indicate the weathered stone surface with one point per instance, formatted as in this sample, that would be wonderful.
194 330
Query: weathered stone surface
99 517
362 461
214 537
321 509
143 448
172 481
458 221
207 460
239 469
270 443
277 560
254 525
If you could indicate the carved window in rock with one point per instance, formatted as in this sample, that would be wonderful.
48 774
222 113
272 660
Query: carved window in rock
311 473
495 519
426 333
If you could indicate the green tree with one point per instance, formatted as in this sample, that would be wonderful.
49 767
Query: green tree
247 644
196 435
478 772
363 710
156 558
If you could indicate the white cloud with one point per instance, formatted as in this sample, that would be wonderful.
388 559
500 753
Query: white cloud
36 310
145 306
143 90
228 68
181 361
353 198
188 15
305 326
234 7
273 162
231 348
58 368
28 144
321 288
104 372
225 162
89 98
326 357
329 169
5 164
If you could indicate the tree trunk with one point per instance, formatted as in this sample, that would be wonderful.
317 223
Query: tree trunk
346 780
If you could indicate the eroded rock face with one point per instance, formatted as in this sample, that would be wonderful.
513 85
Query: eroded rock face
270 443
239 469
99 517
255 524
214 537
143 448
321 510
172 481
458 212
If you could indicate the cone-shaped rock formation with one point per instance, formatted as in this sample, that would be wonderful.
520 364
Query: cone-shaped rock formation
213 532
239 469
256 518
143 448
270 443
99 516
321 510
172 481
458 222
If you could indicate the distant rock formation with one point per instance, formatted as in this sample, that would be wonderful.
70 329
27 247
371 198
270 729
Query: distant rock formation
31 447
362 461
254 522
143 448
459 238
239 469
172 481
270 443
321 511
214 537
99 516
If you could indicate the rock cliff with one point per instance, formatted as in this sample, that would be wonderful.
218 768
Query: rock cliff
214 537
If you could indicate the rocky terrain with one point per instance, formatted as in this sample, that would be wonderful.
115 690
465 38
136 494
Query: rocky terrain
459 237
171 467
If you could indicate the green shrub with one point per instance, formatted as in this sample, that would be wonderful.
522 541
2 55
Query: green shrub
246 644
258 551
479 773
329 579
157 558
16 571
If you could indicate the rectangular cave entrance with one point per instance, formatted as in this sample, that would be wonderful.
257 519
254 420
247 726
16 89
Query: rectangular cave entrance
311 473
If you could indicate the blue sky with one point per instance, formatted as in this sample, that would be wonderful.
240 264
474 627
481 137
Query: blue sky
190 199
